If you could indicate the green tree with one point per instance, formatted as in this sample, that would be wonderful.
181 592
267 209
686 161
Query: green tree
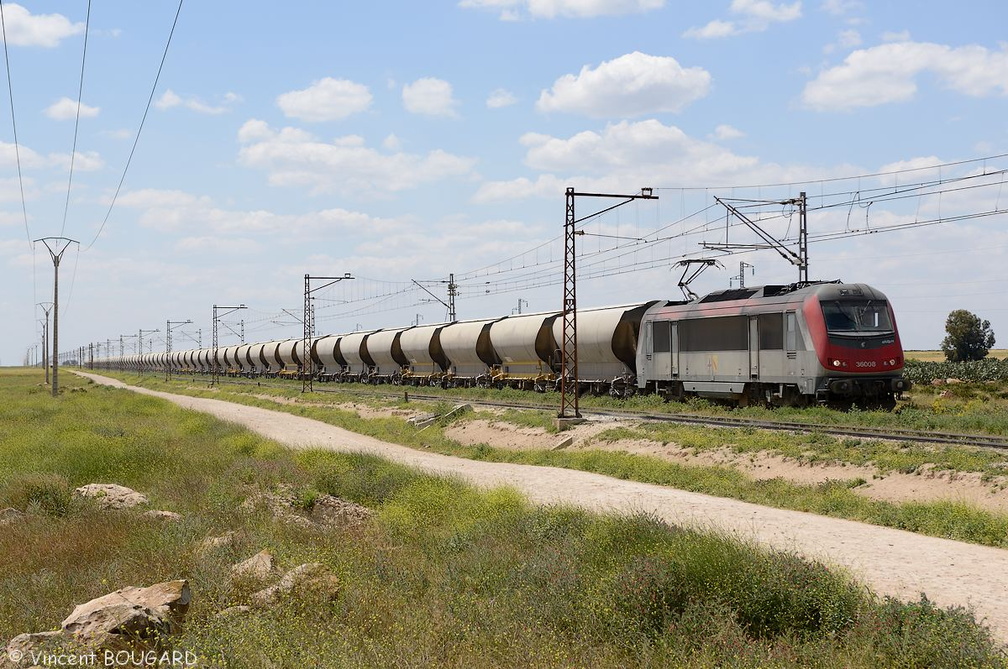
968 337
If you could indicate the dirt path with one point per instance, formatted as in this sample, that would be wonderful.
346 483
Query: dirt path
889 561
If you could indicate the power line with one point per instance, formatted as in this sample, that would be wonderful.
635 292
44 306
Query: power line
874 175
136 140
17 145
80 95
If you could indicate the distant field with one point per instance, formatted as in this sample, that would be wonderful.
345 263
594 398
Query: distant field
938 356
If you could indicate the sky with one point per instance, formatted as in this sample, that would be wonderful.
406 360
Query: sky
406 143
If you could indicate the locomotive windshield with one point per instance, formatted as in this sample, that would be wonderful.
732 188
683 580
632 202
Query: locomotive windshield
855 316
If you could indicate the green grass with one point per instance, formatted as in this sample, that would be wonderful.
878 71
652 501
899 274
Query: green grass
832 498
817 448
442 575
980 408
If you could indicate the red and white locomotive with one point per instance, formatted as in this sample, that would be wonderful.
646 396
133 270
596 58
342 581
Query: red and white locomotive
795 345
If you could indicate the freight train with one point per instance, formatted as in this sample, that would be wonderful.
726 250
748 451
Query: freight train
798 344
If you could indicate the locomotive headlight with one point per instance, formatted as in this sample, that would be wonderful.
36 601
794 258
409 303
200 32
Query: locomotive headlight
892 362
836 363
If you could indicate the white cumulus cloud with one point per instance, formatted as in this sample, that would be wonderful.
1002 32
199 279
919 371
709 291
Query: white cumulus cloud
47 30
327 99
501 98
170 99
66 109
751 16
841 7
512 10
624 155
429 96
292 157
725 132
631 85
888 73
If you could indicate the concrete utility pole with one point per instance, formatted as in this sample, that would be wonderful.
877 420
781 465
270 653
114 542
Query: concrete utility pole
45 338
56 247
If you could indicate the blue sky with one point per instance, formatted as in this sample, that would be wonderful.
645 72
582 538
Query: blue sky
403 141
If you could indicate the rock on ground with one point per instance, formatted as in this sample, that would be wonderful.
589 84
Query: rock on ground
329 510
131 617
259 566
313 576
215 543
111 495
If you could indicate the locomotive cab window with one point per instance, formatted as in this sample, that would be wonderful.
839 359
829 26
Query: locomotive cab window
854 316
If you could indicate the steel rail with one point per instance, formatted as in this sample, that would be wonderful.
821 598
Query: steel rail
866 432
897 434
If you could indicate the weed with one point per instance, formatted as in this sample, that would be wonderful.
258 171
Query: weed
38 493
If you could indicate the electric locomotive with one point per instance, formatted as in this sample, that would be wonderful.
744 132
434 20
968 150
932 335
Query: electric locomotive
825 342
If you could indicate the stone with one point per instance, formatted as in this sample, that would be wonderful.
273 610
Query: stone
131 618
297 521
313 576
326 511
18 652
234 611
279 502
258 566
214 543
564 443
333 511
111 495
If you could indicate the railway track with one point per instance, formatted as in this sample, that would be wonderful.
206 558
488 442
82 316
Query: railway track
995 442
917 436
